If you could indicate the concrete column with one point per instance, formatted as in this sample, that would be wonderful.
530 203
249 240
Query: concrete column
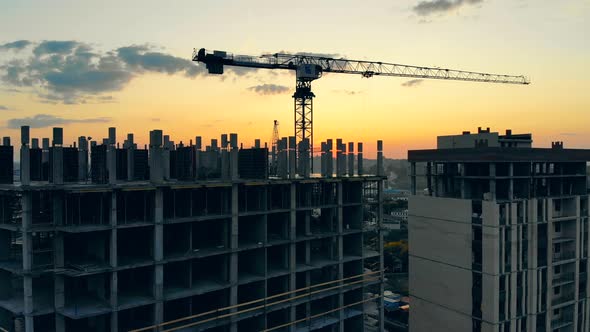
283 159
130 157
292 157
304 155
339 157
233 264
233 157
511 181
58 160
380 170
323 161
381 262
329 159
27 252
351 159
113 262
464 181
340 252
82 159
25 157
224 157
59 260
112 155
359 163
292 249
493 180
158 256
155 157
429 178
413 178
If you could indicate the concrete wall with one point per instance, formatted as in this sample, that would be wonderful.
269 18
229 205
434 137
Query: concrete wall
440 229
446 285
438 318
466 141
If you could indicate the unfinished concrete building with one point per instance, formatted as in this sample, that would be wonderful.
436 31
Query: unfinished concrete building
499 238
174 237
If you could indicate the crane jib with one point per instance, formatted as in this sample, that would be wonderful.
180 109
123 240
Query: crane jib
310 67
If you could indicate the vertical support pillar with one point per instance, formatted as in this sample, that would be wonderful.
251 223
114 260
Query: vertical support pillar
493 180
155 157
339 157
381 262
224 157
112 155
166 158
511 181
233 264
413 178
57 156
292 250
340 253
329 159
351 159
463 172
233 157
292 157
130 157
59 259
429 177
113 262
158 256
25 156
82 159
380 170
27 252
359 163
283 159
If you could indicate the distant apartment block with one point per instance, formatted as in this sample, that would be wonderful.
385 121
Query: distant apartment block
186 237
499 238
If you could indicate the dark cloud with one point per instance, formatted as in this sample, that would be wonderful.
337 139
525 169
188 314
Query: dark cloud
4 108
15 45
140 58
412 83
55 47
47 120
425 8
72 72
269 89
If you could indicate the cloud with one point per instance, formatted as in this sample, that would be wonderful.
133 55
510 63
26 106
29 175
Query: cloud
140 58
72 72
412 83
47 120
15 45
269 89
429 7
5 108
348 92
55 47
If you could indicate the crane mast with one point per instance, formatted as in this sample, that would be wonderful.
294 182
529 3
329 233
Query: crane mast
309 67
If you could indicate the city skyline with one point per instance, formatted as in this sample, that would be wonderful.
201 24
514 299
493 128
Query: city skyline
158 87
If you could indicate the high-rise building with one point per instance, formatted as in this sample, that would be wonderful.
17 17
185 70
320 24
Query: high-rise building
499 236
177 238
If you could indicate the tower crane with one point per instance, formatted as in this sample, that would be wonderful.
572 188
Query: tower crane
309 67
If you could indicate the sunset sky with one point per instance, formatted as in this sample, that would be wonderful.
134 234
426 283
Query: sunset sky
88 65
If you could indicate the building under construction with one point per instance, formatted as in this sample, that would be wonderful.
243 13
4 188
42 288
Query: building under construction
179 237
